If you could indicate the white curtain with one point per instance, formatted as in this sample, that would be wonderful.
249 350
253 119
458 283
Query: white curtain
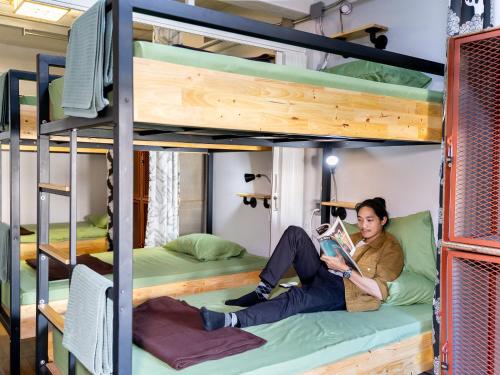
163 208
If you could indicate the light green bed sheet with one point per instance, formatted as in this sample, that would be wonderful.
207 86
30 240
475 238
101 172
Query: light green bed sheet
59 232
152 266
294 345
237 65
27 100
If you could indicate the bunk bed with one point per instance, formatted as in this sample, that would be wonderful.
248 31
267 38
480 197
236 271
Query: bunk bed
287 112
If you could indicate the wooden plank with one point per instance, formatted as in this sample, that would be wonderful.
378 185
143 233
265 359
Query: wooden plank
62 255
28 121
359 32
140 295
97 245
210 146
351 205
54 317
59 149
52 367
411 356
56 187
254 195
172 94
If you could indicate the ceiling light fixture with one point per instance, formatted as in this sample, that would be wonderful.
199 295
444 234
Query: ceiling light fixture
35 9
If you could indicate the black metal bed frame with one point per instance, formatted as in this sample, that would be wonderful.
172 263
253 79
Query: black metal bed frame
11 318
121 119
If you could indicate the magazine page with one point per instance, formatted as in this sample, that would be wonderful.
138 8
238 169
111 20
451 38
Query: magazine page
336 241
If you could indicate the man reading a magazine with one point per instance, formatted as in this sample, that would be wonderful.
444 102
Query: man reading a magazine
328 284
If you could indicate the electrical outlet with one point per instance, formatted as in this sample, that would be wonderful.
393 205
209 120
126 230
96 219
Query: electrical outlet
317 9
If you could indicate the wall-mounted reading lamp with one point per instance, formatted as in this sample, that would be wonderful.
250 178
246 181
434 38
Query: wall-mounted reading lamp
332 161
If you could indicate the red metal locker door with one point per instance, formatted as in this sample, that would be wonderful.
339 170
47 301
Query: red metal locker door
472 206
473 314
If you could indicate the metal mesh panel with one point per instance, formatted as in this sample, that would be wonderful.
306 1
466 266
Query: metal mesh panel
475 317
477 190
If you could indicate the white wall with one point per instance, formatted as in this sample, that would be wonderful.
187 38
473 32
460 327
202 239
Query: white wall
91 189
91 168
407 177
232 220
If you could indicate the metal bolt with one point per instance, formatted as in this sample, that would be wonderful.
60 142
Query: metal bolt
43 257
42 362
127 100
42 197
122 291
41 302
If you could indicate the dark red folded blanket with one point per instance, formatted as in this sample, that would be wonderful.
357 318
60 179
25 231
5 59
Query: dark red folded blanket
173 331
59 271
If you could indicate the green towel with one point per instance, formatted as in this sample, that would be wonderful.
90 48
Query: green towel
87 64
88 323
4 102
4 252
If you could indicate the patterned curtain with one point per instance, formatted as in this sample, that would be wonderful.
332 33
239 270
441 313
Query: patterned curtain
109 186
464 16
467 16
163 208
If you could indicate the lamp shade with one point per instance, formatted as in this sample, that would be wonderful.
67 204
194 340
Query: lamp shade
249 177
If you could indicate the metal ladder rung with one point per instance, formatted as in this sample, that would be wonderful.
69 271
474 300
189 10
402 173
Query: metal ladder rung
56 319
61 255
54 189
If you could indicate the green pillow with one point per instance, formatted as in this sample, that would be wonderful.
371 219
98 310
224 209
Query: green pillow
351 228
410 288
99 221
205 247
377 72
415 234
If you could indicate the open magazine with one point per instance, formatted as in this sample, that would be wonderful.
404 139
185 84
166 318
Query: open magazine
334 240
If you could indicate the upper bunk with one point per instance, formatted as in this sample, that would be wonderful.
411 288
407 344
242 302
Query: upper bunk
179 92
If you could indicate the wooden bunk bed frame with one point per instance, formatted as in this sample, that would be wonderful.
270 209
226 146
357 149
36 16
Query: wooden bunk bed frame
392 120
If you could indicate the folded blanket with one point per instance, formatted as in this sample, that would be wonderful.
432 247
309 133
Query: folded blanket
4 252
59 271
88 63
88 323
173 331
4 102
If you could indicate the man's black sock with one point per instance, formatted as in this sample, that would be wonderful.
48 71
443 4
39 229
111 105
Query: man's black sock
213 320
260 294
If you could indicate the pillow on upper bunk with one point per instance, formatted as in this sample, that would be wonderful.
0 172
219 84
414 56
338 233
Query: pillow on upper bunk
205 247
381 73
410 288
415 233
99 221
25 232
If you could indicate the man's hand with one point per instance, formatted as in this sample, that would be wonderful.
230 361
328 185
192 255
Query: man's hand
336 263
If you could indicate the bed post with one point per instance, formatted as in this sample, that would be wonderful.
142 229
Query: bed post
210 192
15 192
123 118
325 186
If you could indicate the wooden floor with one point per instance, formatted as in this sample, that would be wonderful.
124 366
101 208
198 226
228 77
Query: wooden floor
27 354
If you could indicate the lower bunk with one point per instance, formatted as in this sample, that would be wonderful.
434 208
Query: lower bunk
392 340
91 238
157 272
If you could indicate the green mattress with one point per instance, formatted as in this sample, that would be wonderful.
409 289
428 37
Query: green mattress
27 100
238 65
152 266
59 232
294 345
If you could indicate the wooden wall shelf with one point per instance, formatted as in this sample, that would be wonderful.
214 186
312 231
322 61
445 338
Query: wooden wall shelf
251 199
360 32
350 205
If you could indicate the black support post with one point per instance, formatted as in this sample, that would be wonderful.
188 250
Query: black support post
123 118
210 192
326 186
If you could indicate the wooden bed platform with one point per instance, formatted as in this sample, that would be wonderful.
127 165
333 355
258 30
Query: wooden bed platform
411 356
140 295
29 132
178 95
97 245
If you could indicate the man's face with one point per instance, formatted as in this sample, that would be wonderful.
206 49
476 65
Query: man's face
369 223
